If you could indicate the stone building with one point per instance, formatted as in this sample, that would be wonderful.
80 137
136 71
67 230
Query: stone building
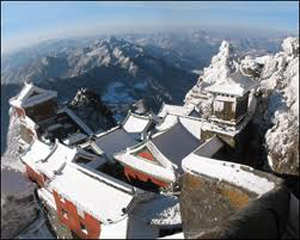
32 105
225 200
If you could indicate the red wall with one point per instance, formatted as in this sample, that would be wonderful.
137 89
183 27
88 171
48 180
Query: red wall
34 176
146 155
93 226
131 172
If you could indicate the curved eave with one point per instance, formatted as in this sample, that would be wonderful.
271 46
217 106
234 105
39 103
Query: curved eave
146 167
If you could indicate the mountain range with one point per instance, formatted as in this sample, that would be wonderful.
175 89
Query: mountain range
122 69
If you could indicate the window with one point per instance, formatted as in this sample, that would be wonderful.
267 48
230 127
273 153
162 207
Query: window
65 213
83 228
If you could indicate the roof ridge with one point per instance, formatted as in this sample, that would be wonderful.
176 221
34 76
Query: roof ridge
178 123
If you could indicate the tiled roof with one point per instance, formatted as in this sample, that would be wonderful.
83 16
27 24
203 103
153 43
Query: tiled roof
175 143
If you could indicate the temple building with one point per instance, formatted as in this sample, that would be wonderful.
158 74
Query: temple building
158 159
130 132
32 105
225 100
40 118
35 103
89 202
223 107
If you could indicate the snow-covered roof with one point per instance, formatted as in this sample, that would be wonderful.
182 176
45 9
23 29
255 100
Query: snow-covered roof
175 143
143 165
114 141
31 95
75 138
167 122
162 210
29 122
233 173
195 113
118 230
236 84
192 124
134 123
59 156
91 194
174 110
96 160
77 120
36 152
47 196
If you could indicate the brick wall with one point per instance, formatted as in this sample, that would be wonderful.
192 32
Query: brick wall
85 226
135 174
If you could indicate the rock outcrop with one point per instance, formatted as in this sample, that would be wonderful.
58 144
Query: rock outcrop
89 107
278 115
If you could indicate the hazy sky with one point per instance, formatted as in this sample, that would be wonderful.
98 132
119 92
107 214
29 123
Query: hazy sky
25 23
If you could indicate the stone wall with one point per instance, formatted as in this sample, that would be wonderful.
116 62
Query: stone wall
206 203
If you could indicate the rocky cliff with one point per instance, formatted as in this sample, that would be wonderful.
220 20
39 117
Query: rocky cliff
278 113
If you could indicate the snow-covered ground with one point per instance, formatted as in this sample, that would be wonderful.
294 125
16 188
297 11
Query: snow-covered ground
10 158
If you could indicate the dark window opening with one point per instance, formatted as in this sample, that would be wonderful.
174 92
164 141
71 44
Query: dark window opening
83 228
65 213
168 232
